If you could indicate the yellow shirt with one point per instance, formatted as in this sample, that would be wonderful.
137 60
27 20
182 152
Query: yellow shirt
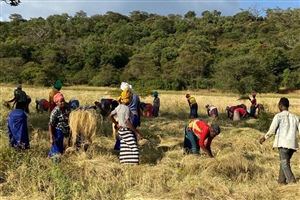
192 100
52 93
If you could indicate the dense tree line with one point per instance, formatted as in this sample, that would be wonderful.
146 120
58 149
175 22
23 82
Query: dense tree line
243 53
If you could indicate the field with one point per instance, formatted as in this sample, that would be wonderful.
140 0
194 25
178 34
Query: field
241 169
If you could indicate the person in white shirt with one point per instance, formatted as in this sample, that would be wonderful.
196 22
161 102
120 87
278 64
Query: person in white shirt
284 127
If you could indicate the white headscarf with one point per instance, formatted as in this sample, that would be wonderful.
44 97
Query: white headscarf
125 85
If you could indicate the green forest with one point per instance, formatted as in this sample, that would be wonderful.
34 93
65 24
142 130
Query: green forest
243 53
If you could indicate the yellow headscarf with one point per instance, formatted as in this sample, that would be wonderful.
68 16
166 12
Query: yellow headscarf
126 96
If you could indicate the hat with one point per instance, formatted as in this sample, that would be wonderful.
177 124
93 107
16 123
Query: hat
58 97
57 84
215 128
155 93
187 95
19 86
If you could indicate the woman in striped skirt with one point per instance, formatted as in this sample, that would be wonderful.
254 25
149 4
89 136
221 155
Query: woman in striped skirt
129 152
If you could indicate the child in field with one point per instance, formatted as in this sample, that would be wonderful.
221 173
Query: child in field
58 125
129 152
284 127
196 132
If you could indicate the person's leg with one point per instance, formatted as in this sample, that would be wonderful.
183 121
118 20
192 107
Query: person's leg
191 142
285 168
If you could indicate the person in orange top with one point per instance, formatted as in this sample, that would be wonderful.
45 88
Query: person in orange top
193 106
199 134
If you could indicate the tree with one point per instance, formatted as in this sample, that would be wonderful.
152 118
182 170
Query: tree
16 17
12 2
244 74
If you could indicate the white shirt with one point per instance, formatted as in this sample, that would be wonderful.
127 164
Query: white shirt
284 126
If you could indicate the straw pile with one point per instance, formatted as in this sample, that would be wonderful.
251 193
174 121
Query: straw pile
83 126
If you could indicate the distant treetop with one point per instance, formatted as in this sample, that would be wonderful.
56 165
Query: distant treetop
12 2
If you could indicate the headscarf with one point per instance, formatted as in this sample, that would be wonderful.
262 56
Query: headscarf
253 95
57 84
126 96
155 93
125 85
187 95
58 97
19 86
215 128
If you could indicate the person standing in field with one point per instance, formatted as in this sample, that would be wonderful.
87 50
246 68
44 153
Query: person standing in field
284 127
253 105
196 133
193 106
156 104
21 99
59 125
129 152
18 129
212 111
56 88
134 105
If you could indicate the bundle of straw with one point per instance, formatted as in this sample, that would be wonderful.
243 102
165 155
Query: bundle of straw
6 104
83 125
244 97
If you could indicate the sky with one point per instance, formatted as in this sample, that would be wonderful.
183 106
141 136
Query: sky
43 8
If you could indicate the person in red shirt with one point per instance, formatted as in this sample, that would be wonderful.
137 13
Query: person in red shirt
198 135
240 113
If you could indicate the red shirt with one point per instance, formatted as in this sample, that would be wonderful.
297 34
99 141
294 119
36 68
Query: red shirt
232 108
242 111
202 132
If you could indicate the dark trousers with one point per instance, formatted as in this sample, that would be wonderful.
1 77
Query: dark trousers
190 143
194 111
285 172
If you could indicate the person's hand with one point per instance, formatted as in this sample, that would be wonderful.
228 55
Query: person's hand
139 136
51 140
262 140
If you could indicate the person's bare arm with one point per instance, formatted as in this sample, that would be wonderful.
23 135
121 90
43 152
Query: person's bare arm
50 133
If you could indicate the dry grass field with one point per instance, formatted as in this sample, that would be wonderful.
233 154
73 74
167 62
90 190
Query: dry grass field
241 169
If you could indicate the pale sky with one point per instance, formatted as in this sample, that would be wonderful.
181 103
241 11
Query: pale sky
43 8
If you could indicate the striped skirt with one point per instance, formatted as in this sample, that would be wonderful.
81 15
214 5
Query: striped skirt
129 152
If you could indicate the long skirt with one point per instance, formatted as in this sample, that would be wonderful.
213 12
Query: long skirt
155 111
58 143
194 110
18 130
129 152
190 143
236 116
